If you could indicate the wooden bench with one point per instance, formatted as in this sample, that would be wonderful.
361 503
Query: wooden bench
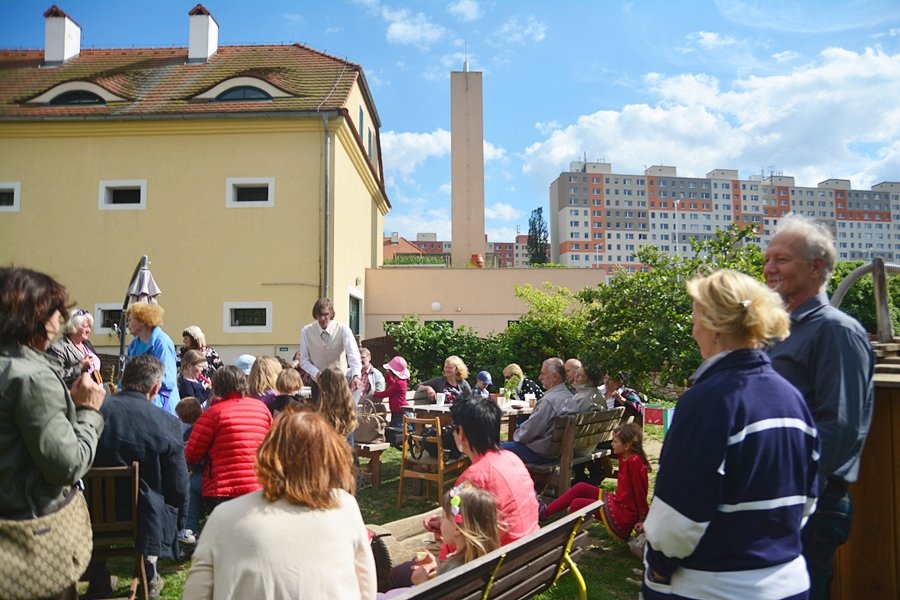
518 570
372 473
578 439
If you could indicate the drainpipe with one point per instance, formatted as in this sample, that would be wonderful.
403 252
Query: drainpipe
326 254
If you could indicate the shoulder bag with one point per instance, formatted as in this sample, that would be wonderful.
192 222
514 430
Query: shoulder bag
370 424
41 557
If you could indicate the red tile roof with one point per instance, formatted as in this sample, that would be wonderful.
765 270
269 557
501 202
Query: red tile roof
160 82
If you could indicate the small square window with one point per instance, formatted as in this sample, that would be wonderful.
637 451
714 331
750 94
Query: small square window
247 317
249 192
9 196
107 317
123 194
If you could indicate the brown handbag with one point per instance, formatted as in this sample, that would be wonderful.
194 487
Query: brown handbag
370 424
41 557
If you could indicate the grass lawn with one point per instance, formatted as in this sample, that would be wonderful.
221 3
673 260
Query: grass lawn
605 566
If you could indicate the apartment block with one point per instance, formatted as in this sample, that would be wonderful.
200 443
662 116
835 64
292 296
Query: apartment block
600 219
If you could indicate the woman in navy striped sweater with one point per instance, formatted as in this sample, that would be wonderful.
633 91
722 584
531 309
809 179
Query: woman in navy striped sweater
737 472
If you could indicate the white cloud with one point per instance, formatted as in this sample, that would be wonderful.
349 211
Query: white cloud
445 188
834 117
502 212
545 127
406 27
404 152
492 152
786 56
711 41
295 18
467 10
408 224
513 32
501 234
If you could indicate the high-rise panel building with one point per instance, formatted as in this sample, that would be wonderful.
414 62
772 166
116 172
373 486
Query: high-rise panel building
600 219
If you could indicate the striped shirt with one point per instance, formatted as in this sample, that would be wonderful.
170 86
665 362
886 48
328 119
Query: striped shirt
737 479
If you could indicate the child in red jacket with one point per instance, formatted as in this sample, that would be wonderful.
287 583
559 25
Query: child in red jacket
396 374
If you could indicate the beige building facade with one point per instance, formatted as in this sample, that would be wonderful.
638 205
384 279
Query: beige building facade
251 178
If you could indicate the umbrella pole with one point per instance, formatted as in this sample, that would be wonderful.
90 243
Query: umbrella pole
142 264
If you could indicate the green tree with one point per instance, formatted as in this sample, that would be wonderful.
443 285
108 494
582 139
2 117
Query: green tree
538 238
640 322
425 346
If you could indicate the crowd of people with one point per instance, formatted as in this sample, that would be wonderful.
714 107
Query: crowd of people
750 500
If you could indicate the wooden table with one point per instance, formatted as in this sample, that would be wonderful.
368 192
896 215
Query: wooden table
443 411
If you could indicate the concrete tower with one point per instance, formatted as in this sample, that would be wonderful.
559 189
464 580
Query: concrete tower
466 166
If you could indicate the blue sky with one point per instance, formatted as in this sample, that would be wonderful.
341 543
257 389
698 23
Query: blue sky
809 88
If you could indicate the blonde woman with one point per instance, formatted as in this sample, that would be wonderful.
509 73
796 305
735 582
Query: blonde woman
263 379
302 535
516 379
144 322
737 472
452 382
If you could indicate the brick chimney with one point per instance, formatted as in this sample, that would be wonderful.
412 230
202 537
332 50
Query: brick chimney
62 37
204 35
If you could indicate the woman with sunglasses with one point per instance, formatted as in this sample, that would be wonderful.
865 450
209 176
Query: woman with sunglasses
74 349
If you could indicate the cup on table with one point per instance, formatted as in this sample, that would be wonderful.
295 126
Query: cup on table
439 398
531 399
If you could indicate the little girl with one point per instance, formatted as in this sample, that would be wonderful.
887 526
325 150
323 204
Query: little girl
470 523
396 374
625 509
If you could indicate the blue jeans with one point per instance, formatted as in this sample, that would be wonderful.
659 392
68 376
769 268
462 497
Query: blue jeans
195 504
526 454
825 530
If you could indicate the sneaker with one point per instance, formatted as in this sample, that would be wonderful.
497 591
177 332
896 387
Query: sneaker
186 536
156 587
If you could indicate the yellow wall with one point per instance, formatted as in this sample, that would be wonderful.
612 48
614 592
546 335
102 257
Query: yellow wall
202 254
483 299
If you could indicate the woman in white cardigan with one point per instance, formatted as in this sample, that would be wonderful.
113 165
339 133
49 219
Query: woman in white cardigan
301 536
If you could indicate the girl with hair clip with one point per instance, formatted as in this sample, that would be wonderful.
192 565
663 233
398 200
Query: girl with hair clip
336 402
470 523
623 510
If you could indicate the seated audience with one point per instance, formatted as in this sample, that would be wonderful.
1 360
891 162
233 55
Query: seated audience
533 438
738 469
617 394
302 535
288 387
572 366
261 381
482 384
188 411
515 377
336 402
452 383
397 375
74 348
190 378
625 509
371 378
476 423
226 436
587 396
194 339
136 430
468 524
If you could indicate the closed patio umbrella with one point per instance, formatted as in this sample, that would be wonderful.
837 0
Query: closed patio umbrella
142 288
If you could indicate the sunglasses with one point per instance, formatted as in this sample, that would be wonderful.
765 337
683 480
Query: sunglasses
81 312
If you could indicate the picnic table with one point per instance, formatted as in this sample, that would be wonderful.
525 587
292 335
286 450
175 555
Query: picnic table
510 413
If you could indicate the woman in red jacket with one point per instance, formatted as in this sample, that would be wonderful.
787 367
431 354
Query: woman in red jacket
226 437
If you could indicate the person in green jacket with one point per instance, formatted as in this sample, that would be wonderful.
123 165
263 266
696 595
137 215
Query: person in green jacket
48 433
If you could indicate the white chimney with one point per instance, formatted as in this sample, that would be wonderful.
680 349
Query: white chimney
62 37
204 35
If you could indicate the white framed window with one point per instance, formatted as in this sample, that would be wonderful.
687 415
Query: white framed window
10 196
249 192
122 194
107 314
247 317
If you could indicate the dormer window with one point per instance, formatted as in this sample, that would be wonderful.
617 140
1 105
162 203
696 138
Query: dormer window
76 98
243 93
242 89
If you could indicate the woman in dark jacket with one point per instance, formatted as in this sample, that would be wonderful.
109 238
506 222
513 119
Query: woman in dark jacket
452 382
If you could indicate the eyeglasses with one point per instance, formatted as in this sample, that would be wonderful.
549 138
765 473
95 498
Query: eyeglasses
80 312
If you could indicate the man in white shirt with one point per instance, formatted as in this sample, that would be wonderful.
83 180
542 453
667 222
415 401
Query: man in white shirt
324 343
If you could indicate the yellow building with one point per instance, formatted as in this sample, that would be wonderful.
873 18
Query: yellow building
250 175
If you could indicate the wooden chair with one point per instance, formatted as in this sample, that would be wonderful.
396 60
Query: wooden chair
115 534
441 468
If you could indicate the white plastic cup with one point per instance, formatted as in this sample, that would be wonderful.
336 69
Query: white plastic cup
439 398
530 399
